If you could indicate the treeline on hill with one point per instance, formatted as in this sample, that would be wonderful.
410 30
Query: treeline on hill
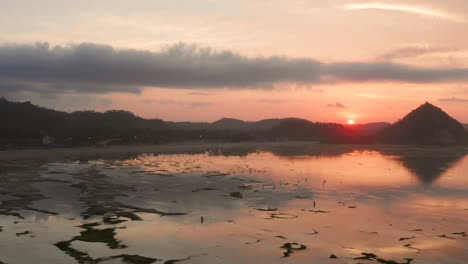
25 124
323 132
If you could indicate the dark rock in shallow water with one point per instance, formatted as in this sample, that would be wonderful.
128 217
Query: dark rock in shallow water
104 236
171 261
135 259
372 256
237 195
291 247
23 233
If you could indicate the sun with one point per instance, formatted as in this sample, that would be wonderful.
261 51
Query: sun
350 122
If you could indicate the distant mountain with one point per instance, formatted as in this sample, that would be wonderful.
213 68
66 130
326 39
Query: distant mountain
236 124
269 126
426 124
371 128
295 129
230 124
466 126
24 124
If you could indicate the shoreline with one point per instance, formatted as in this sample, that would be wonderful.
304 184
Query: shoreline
128 151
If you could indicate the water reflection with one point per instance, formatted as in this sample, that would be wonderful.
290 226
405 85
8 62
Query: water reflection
428 166
240 206
426 163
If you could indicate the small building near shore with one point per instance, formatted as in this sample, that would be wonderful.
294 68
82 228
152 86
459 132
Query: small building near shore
46 140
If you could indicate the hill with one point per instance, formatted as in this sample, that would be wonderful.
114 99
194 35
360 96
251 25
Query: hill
26 124
371 128
323 132
229 124
427 124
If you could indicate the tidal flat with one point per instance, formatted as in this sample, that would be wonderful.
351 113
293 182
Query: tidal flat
286 202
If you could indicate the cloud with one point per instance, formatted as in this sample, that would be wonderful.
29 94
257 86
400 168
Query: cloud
93 68
160 101
337 105
197 93
199 104
454 100
383 71
413 51
418 10
372 95
270 101
176 102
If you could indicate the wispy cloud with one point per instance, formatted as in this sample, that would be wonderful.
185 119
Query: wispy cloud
197 93
409 51
371 95
270 101
419 10
454 100
164 102
199 104
176 102
337 105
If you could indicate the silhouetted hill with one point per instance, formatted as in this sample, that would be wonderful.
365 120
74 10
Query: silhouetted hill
24 120
270 127
371 128
427 124
324 132
113 124
236 124
26 124
230 124
466 126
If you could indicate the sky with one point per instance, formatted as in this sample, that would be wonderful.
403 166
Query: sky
187 60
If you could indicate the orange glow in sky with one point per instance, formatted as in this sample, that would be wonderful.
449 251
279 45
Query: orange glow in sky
325 61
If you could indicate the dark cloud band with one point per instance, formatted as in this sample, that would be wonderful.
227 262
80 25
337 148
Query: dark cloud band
93 68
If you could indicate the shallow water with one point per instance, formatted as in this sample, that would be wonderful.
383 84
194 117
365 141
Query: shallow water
407 205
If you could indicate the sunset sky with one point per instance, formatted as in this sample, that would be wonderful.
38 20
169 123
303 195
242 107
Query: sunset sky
207 59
